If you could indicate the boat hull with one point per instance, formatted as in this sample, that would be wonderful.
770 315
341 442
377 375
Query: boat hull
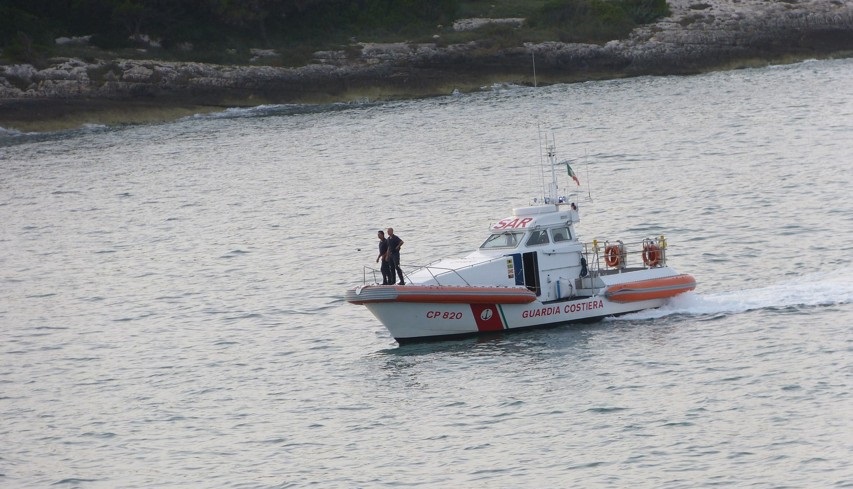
410 322
414 313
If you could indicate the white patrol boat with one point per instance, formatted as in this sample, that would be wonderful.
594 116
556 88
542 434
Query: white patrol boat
532 271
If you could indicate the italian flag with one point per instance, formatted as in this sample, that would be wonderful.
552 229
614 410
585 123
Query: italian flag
572 174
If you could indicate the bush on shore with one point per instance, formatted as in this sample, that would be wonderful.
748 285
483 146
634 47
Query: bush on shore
201 30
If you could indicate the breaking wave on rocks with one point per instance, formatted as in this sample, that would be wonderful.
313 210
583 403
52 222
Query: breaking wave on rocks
13 136
274 110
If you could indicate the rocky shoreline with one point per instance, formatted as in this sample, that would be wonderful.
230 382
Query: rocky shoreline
698 36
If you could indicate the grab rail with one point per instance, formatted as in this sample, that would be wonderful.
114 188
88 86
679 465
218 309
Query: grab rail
429 268
605 256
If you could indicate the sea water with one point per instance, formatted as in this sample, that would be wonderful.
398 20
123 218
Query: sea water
172 314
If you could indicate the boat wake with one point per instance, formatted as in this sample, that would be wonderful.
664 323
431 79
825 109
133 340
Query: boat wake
809 291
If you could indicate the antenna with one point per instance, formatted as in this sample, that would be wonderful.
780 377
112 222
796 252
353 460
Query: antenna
548 158
588 186
533 56
552 160
541 156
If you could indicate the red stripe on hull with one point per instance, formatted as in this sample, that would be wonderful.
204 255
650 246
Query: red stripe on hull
438 294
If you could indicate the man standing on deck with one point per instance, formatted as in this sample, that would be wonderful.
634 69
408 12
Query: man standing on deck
394 244
387 275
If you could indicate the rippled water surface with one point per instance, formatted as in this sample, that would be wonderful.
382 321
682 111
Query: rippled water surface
171 295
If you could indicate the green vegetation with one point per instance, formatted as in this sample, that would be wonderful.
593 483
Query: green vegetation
224 31
596 20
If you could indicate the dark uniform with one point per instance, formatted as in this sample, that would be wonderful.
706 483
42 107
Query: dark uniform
387 275
394 243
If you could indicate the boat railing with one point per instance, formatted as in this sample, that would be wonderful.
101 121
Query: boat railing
605 257
376 274
369 272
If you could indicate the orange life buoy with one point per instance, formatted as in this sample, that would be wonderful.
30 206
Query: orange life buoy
651 255
612 255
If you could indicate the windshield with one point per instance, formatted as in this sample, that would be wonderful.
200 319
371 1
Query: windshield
538 238
561 234
505 239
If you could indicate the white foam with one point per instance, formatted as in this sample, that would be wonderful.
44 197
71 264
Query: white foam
501 87
240 112
275 109
807 291
94 127
9 132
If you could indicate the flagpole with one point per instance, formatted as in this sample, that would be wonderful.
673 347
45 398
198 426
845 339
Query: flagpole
533 56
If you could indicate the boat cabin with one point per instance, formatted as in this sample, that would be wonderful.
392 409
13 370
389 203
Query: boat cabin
533 226
536 247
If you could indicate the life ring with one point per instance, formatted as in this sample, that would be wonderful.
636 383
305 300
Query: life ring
612 256
651 255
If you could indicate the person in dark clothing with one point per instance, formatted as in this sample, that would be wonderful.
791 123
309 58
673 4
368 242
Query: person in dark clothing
387 276
394 244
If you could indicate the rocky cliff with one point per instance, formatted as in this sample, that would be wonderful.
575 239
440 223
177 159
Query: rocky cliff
699 35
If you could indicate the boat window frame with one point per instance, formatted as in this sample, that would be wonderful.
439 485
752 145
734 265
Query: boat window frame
567 233
538 234
518 237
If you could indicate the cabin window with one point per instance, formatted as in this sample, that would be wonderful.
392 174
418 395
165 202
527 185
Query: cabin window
502 240
561 234
538 238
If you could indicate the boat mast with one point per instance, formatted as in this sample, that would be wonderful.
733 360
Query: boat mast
550 191
552 161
